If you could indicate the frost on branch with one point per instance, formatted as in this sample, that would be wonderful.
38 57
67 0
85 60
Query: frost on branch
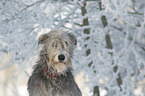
110 35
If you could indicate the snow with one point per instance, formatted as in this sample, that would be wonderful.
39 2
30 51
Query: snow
23 21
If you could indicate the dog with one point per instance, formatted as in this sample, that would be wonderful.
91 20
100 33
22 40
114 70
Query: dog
52 75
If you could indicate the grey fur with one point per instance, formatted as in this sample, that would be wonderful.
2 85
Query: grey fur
63 84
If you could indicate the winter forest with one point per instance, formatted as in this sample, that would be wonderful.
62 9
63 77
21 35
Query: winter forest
109 59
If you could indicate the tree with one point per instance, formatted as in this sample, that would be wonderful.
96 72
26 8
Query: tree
110 34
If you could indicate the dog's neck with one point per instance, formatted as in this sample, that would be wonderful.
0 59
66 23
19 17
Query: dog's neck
48 73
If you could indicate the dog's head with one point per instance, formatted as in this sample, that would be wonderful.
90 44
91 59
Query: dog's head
58 46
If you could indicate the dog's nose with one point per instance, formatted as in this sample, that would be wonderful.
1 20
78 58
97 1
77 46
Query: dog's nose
61 57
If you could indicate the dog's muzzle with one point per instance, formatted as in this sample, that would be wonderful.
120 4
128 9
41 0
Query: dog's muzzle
60 58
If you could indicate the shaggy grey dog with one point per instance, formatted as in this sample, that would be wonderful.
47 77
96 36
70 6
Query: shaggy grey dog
52 75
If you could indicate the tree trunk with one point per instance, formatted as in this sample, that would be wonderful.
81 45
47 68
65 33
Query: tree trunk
88 52
109 46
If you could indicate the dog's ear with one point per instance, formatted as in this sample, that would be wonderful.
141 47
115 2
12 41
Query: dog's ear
43 38
72 38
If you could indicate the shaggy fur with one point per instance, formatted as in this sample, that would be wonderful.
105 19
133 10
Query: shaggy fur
52 77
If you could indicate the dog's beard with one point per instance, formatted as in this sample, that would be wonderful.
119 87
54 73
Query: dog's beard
60 68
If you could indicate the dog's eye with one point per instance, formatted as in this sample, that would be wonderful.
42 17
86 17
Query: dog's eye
55 45
66 43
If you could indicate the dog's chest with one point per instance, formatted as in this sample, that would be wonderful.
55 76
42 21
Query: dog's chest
57 87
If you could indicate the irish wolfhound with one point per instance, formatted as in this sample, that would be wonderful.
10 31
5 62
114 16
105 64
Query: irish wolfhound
52 74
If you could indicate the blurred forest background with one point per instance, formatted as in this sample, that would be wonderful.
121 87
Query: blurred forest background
109 59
